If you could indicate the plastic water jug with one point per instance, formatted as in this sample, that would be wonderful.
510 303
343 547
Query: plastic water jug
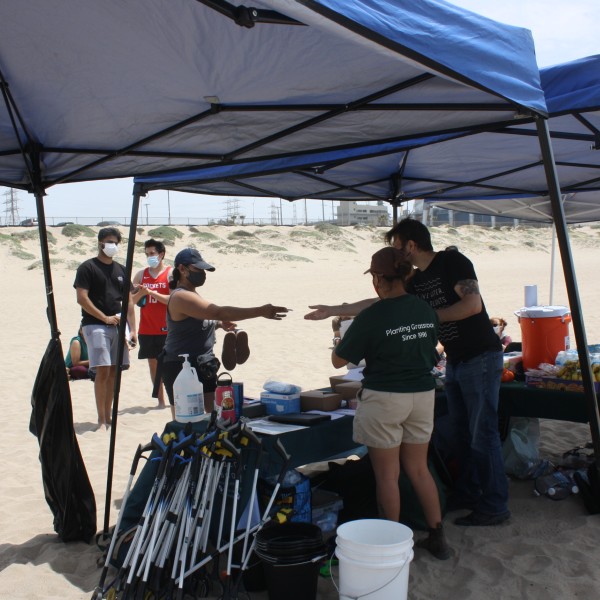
189 394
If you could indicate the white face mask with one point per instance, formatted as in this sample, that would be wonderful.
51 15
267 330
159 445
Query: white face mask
497 330
110 249
153 261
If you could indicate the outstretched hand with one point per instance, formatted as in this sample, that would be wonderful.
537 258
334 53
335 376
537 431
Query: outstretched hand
322 311
274 312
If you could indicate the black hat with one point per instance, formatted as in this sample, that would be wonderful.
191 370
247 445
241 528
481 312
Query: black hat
191 257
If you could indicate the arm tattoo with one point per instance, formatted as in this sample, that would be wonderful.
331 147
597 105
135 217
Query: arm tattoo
468 286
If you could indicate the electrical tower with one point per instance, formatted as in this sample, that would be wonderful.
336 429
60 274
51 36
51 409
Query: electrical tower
11 208
274 213
232 209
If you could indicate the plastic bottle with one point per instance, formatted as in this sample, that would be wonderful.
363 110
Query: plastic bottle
189 394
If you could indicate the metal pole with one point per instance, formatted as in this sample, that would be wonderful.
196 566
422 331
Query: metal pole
121 350
552 265
146 205
169 204
562 235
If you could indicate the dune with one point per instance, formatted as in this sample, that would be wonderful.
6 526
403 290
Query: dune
547 550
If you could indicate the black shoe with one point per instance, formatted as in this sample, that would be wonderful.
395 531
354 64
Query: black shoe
242 350
478 519
436 543
228 353
457 503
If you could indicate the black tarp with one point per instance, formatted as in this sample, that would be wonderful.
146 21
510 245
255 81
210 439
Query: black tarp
66 484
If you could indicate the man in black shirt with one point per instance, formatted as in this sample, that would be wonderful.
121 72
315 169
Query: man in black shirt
447 282
100 283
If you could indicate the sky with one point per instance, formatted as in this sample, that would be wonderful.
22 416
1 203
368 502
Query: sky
562 31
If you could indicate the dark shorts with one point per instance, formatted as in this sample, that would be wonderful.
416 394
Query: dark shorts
151 345
169 373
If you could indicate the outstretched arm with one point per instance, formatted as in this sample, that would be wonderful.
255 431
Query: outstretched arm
189 304
324 311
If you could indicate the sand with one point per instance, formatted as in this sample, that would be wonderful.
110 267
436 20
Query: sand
547 550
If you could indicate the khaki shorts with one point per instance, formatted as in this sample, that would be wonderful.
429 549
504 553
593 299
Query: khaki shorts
387 419
102 342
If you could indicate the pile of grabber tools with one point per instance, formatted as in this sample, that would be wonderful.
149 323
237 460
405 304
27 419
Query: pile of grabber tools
200 507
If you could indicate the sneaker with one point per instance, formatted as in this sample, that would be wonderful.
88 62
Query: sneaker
479 519
228 354
436 543
242 350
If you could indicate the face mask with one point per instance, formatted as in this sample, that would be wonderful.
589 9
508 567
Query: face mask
153 261
110 249
497 330
196 278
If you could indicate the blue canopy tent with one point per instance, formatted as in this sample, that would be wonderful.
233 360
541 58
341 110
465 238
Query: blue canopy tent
503 171
95 90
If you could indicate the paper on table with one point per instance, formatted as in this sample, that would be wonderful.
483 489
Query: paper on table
271 428
354 375
345 411
332 413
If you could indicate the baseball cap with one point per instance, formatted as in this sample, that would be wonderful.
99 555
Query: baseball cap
191 257
387 262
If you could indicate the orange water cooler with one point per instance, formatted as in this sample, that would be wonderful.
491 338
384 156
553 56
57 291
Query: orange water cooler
544 333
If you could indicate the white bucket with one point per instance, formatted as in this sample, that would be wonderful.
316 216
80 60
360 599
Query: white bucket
374 557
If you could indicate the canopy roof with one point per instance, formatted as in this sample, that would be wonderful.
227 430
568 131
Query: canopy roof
110 89
495 172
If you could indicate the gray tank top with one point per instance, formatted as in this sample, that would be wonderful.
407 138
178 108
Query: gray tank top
195 337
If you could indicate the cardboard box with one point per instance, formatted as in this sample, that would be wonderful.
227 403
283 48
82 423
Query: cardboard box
335 380
554 383
348 390
319 400
280 404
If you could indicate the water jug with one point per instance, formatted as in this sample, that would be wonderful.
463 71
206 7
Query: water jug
224 398
189 394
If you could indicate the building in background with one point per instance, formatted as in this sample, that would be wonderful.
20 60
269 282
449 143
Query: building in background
435 215
353 213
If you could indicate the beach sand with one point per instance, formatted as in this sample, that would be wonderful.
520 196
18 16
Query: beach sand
547 550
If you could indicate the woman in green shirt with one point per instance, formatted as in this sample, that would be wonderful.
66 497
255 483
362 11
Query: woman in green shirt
397 337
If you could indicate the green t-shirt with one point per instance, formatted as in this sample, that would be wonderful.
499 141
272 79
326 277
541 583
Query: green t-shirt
397 338
84 351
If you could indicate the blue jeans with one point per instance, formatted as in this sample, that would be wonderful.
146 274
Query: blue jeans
472 389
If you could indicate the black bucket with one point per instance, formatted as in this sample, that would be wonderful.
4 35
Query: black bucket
290 554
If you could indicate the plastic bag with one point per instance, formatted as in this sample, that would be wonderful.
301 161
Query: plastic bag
278 387
521 448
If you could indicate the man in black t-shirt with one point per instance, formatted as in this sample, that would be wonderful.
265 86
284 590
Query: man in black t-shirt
448 283
100 283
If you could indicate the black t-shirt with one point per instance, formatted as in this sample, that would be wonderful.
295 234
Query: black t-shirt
105 285
462 339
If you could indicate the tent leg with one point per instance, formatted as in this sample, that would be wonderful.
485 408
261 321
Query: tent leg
51 309
562 236
124 308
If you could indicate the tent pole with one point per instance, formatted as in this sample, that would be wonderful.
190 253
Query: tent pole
121 350
562 235
43 233
552 265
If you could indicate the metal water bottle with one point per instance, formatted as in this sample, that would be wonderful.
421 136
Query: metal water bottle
224 398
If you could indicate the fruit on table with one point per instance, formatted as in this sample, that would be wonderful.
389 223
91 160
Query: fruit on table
507 375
